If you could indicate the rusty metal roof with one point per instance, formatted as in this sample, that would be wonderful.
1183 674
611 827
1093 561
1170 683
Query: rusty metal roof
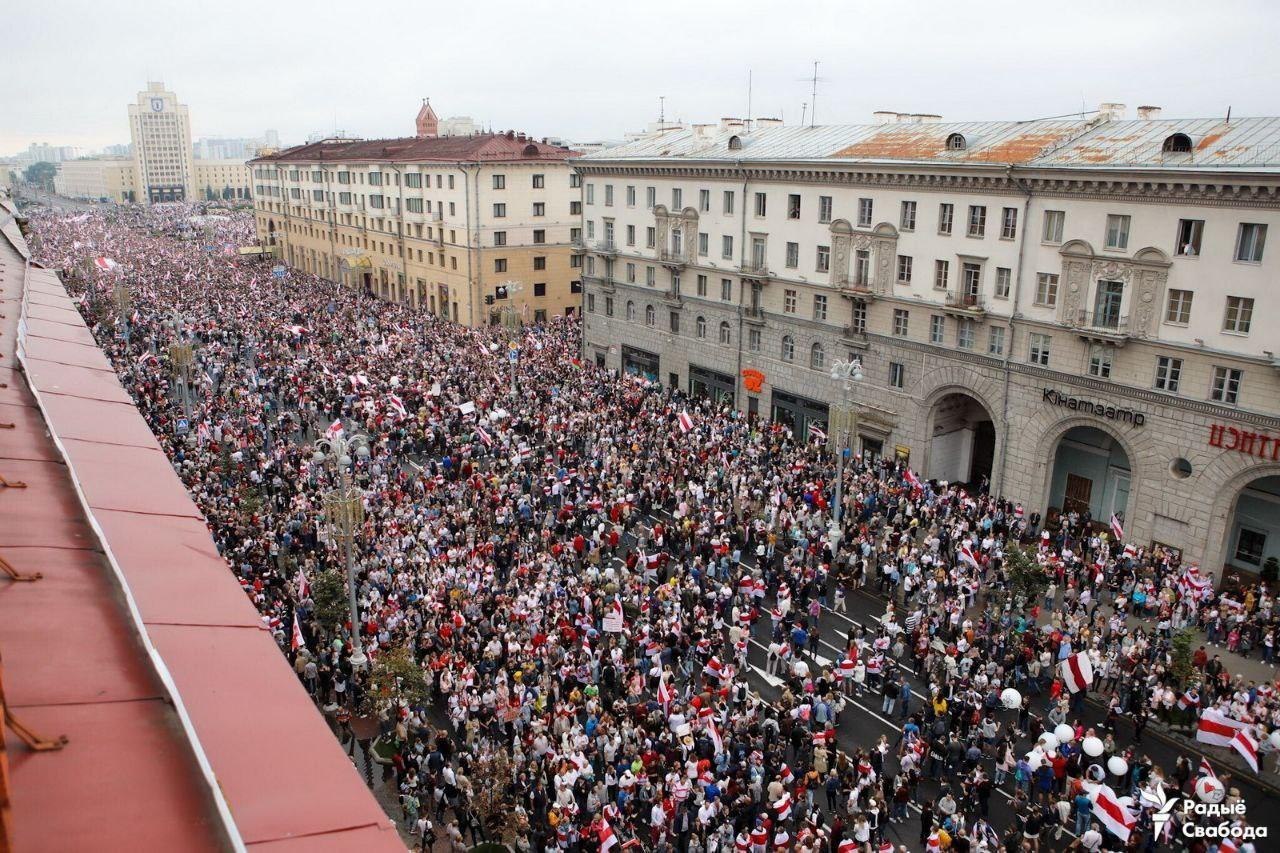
188 729
483 147
1252 143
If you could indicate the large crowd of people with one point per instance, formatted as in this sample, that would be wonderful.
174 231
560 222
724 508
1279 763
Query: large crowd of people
630 623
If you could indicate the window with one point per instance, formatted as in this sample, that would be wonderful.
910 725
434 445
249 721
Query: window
1003 277
817 356
540 263
702 285
1053 222
753 340
1226 385
1117 231
1190 232
1239 315
650 197
631 311
788 348
819 307
904 269
650 316
677 198
499 210
700 328
704 243
540 287
631 235
591 302
946 213
728 201
823 263
726 289
965 334
995 341
937 328
941 272
1038 349
631 196
413 205
789 301
649 278
1179 308
650 237
897 374
499 238
977 220
575 208
375 179
824 208
726 334
631 273
539 208
1249 242
793 206
499 182
539 236
971 278
608 195
1250 546
907 221
591 193
1100 361
499 264
726 247
1009 223
793 255
539 182
1046 289
864 212
704 201
859 324
901 319
761 204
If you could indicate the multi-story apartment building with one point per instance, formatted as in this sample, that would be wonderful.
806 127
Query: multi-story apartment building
463 226
160 129
1072 309
115 179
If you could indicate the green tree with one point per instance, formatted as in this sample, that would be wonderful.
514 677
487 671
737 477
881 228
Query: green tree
41 174
329 598
1027 578
395 675
1182 648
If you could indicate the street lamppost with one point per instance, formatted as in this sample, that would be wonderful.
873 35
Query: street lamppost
510 318
120 294
846 418
344 510
181 357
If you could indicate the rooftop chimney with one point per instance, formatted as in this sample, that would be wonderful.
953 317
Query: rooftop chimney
703 131
730 123
768 122
1111 111
1148 113
884 116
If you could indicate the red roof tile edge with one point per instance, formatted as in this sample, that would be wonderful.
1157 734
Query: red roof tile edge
390 839
162 671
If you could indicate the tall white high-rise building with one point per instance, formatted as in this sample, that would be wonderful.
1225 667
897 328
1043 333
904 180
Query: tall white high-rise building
161 131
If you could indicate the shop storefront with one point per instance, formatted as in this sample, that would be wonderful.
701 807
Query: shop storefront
710 383
798 413
640 363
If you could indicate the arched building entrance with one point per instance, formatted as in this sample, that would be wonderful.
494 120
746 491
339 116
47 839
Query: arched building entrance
1253 531
1091 473
962 442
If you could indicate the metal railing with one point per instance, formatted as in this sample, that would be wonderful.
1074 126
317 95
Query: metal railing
1102 320
965 300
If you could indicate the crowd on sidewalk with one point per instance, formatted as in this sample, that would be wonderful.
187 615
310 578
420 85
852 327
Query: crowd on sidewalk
588 573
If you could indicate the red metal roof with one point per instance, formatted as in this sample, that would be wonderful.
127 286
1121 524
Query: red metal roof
482 147
187 728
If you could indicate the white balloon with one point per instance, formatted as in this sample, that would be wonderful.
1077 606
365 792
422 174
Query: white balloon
1274 738
1117 765
1210 789
1035 758
1065 733
1092 746
1050 741
1011 698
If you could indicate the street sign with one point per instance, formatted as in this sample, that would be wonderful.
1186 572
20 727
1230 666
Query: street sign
513 356
182 427
278 271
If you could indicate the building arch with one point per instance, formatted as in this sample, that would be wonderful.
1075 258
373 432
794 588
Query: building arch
1238 475
959 443
1049 445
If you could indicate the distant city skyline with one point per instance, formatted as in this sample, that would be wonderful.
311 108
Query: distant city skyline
597 77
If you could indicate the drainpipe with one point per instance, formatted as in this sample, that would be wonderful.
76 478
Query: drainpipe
997 482
742 241
404 251
472 287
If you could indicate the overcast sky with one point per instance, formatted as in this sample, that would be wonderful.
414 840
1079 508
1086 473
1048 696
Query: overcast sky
587 71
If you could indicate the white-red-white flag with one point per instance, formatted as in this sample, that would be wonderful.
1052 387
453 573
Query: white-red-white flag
1247 745
296 642
1206 769
967 555
1117 529
607 839
817 433
1217 728
783 806
664 692
397 405
912 479
685 422
714 734
304 586
105 264
1112 813
335 430
1077 672
484 436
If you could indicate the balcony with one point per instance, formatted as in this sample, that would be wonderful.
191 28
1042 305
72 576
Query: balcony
606 247
855 336
857 289
672 298
756 269
674 260
965 304
753 315
1102 327
577 245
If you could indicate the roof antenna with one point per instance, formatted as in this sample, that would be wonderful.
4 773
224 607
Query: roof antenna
803 108
749 100
662 112
813 113
1228 114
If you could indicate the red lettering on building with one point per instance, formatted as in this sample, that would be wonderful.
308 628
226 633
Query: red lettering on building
1257 444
